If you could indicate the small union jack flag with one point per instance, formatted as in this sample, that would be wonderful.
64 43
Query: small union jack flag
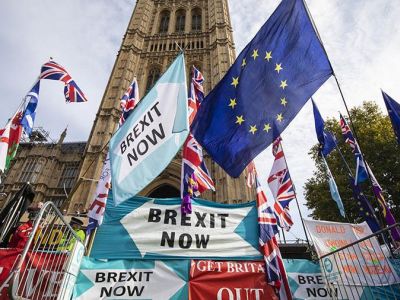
129 101
281 186
196 93
361 169
193 165
53 71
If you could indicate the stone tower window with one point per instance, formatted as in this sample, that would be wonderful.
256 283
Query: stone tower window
68 176
164 21
31 171
180 21
153 76
196 19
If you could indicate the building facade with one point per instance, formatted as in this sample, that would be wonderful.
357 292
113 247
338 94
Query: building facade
157 31
51 167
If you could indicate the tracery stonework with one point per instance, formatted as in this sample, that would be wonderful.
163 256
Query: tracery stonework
156 31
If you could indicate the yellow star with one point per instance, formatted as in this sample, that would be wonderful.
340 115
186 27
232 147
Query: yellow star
239 120
253 129
232 103
255 54
235 81
243 62
279 117
283 84
283 101
278 67
267 127
268 55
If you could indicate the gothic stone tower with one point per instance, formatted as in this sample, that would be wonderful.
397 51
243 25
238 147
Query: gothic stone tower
156 31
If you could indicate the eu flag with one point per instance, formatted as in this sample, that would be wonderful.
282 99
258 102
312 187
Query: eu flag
270 81
393 109
327 140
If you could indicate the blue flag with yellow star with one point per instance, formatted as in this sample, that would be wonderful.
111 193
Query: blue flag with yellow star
270 81
393 109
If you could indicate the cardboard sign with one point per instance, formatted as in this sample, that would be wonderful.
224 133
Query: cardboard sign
128 279
143 227
228 280
364 264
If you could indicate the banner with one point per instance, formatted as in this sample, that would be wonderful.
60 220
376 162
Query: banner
364 264
150 138
41 279
132 279
306 280
156 228
229 280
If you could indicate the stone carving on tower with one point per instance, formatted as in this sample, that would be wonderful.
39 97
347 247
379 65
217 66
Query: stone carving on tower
157 30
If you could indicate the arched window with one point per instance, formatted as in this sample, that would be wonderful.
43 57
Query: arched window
165 191
152 78
164 21
196 19
180 21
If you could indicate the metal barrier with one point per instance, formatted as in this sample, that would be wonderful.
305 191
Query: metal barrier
366 269
49 263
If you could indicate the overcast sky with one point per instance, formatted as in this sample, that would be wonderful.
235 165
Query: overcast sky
362 39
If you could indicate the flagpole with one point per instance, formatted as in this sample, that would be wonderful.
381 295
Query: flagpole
297 201
340 91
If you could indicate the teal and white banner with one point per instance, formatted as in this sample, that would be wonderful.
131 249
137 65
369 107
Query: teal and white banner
306 280
150 138
156 228
130 279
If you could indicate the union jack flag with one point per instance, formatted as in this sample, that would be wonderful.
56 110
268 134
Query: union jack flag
53 71
129 101
361 169
99 201
193 165
281 186
196 93
274 269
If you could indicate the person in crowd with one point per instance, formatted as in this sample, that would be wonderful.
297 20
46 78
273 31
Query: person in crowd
21 235
68 241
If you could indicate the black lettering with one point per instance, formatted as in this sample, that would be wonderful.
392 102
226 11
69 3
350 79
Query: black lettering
319 279
185 244
122 291
144 123
100 277
113 276
155 133
156 109
310 279
132 290
132 156
136 131
166 238
104 292
170 214
322 292
148 273
301 279
185 218
311 292
129 138
201 241
146 147
200 219
122 277
123 147
154 215
150 116
212 221
222 217
131 276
